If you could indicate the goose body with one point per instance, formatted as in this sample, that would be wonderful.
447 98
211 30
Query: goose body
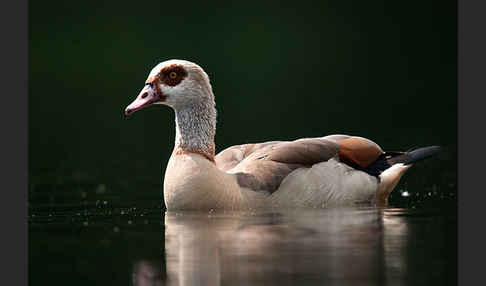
309 172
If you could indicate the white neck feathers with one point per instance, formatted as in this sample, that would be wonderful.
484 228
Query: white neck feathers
196 128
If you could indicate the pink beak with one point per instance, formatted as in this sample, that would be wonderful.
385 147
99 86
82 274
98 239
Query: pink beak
146 97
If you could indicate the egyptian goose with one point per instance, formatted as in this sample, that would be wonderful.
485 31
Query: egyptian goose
309 172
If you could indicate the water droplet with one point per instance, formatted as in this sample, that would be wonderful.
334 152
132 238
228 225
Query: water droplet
129 222
405 194
85 223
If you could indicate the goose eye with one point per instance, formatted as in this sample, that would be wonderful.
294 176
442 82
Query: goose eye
172 75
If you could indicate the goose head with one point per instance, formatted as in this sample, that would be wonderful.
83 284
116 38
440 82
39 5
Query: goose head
176 83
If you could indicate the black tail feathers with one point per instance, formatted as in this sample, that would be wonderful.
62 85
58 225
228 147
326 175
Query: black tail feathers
415 155
388 159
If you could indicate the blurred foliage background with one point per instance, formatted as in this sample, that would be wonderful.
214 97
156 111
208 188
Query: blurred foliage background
385 70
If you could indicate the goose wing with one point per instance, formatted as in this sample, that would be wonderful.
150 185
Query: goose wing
263 166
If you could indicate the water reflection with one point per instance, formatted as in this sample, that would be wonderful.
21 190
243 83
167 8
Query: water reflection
359 246
344 246
395 234
148 273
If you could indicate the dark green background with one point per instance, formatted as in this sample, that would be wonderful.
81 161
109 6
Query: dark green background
385 70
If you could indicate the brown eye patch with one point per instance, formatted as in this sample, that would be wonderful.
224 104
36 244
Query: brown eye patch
172 75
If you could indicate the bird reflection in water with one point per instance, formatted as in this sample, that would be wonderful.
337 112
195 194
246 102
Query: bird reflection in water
340 245
148 273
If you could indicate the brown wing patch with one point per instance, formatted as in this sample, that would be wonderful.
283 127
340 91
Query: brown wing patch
358 151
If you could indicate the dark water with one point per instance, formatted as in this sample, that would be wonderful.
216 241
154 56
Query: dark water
101 244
